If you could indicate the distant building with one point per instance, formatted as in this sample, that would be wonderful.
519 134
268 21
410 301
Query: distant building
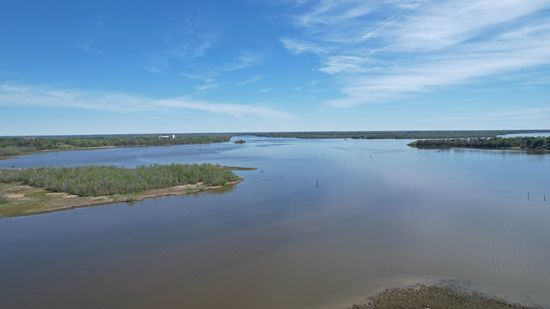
173 136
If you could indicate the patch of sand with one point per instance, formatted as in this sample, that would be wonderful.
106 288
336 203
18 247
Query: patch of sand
15 196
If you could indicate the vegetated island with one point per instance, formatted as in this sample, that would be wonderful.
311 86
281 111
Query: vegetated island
435 296
533 144
38 190
12 146
396 134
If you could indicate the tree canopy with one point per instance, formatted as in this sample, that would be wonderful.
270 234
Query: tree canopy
10 146
526 143
109 180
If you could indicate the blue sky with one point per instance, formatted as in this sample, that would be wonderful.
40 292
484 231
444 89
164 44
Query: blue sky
91 67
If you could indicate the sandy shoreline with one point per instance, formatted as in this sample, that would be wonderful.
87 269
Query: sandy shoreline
23 200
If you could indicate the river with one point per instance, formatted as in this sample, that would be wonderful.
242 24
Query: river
318 224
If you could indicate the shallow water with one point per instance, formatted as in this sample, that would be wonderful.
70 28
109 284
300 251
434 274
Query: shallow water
383 214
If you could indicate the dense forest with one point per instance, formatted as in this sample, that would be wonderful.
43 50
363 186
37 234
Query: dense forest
10 146
396 134
527 143
109 180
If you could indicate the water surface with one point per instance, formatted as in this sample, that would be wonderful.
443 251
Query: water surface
536 134
382 214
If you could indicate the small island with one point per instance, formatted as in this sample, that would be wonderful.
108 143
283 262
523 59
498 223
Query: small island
38 190
533 144
240 141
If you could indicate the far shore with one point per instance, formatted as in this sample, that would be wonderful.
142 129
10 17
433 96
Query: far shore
24 200
59 150
15 146
528 144
83 148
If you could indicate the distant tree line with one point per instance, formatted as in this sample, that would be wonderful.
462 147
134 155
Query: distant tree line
109 180
527 143
396 134
10 146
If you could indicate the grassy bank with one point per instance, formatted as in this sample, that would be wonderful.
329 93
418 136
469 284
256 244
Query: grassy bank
30 191
541 144
11 146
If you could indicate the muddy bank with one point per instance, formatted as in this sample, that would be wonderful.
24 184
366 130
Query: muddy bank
423 296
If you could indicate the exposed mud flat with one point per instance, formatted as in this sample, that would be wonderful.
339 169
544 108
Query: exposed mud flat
422 296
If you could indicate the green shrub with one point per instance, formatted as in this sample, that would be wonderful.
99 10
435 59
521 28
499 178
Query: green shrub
109 180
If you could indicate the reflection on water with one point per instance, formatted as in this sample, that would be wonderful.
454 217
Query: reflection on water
382 214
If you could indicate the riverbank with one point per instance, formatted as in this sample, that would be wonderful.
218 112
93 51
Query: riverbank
24 200
14 146
424 296
531 144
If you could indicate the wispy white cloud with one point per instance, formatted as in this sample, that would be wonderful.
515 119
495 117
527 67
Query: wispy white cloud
186 42
446 23
298 46
446 69
157 64
245 59
90 41
85 44
308 85
235 110
20 95
379 50
191 41
186 47
207 86
208 76
201 78
264 90
344 64
253 79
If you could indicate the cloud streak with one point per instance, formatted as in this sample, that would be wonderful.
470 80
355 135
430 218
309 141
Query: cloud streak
191 39
380 50
251 80
18 95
